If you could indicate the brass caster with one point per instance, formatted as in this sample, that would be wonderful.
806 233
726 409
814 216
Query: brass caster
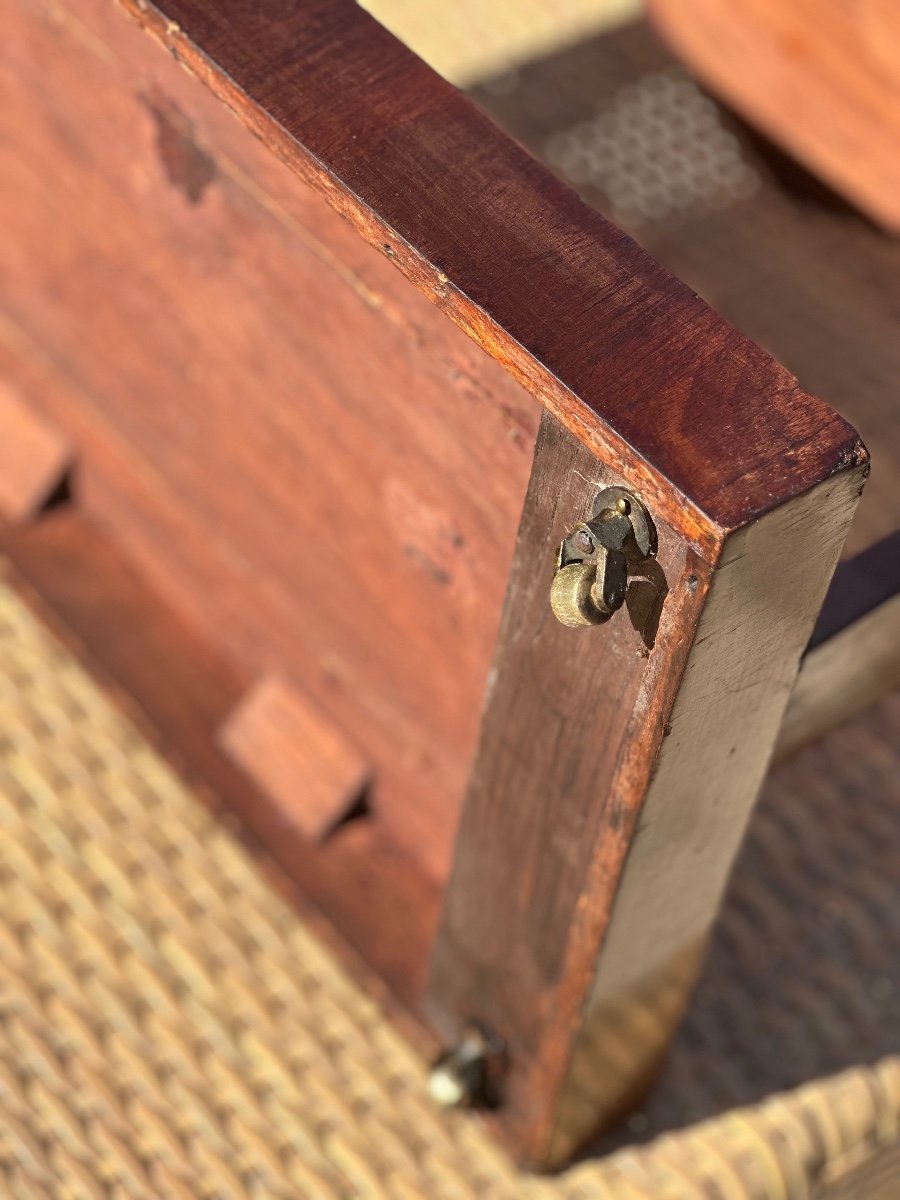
570 595
594 561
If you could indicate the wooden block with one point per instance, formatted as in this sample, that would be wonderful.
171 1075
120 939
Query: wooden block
34 457
291 750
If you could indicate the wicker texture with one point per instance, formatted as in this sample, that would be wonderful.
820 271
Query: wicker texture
169 1027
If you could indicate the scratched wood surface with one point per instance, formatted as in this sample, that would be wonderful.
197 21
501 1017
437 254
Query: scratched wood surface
34 457
573 722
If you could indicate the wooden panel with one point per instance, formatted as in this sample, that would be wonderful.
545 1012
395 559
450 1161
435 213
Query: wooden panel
298 756
627 357
34 457
156 663
608 798
251 390
822 77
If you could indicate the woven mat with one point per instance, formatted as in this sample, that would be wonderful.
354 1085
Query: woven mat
169 1027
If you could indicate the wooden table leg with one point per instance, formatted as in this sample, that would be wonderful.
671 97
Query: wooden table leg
615 774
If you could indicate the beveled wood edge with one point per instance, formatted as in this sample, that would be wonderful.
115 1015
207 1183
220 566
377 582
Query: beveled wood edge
609 342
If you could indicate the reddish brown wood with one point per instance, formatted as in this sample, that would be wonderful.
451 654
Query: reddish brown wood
627 357
616 770
547 807
174 682
301 759
783 259
236 370
821 77
34 457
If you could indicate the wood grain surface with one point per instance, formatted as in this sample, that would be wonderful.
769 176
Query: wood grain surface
172 680
609 795
844 676
35 457
300 453
627 357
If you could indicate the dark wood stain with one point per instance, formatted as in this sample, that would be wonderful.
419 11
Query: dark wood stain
554 796
627 356
186 163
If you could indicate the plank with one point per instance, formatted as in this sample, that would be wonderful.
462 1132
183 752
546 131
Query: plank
250 390
853 656
505 250
173 681
843 676
860 585
608 798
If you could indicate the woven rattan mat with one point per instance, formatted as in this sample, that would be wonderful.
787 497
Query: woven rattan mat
171 1029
